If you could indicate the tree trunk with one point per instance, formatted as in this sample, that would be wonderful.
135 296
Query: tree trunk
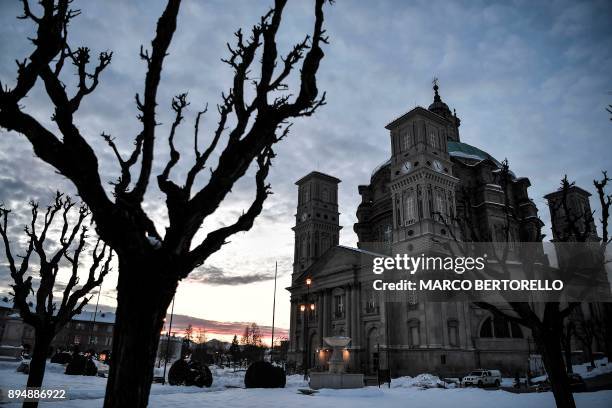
568 358
589 350
550 347
42 341
567 348
144 293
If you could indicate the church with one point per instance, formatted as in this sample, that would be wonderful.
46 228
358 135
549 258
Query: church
431 174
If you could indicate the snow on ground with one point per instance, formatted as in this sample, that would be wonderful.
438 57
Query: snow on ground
601 367
419 391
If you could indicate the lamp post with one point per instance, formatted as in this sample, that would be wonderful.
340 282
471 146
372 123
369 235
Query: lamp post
304 308
168 341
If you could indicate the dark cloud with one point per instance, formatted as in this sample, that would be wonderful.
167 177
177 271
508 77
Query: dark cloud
215 276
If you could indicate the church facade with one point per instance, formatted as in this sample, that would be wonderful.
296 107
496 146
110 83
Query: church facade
431 176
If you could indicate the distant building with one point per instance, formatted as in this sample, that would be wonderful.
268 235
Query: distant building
85 330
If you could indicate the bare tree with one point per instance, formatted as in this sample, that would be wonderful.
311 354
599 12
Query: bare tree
588 329
47 318
151 264
546 321
566 342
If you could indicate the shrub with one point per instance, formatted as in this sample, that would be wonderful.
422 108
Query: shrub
90 368
199 375
61 358
262 374
77 364
81 365
178 372
189 373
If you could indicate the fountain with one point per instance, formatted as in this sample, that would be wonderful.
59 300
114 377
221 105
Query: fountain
336 377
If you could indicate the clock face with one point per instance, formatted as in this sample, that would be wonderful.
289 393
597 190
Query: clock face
304 216
406 167
437 166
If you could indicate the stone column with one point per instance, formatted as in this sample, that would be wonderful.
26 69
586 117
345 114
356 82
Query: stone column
326 312
348 310
291 326
320 315
356 317
444 323
469 343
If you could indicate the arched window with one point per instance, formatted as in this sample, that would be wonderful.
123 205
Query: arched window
405 140
498 327
325 195
440 203
433 140
517 333
339 303
324 243
409 209
486 330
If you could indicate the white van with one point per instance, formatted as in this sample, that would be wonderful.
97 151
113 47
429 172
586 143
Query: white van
482 377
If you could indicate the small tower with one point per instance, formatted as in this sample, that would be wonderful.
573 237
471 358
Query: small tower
579 208
441 109
317 224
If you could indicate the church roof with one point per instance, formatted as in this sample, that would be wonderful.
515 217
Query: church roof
333 260
466 151
317 174
413 111
380 166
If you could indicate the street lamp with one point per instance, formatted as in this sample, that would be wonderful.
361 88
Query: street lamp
304 308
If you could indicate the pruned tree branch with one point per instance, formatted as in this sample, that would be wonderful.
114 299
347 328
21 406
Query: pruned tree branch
166 26
216 239
605 200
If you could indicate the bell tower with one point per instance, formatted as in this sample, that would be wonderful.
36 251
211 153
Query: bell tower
422 183
574 200
317 224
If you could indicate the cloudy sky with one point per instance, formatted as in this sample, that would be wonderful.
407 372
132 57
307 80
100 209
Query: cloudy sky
530 81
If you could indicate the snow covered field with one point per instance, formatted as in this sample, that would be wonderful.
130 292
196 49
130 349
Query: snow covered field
88 392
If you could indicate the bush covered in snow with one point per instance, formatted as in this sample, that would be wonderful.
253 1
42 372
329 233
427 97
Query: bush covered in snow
81 365
262 374
61 358
190 372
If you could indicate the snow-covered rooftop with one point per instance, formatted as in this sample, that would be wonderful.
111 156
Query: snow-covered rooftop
85 316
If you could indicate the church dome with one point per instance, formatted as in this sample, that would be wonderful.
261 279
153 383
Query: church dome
438 106
466 151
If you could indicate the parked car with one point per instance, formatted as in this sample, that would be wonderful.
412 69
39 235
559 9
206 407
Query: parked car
482 378
577 384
